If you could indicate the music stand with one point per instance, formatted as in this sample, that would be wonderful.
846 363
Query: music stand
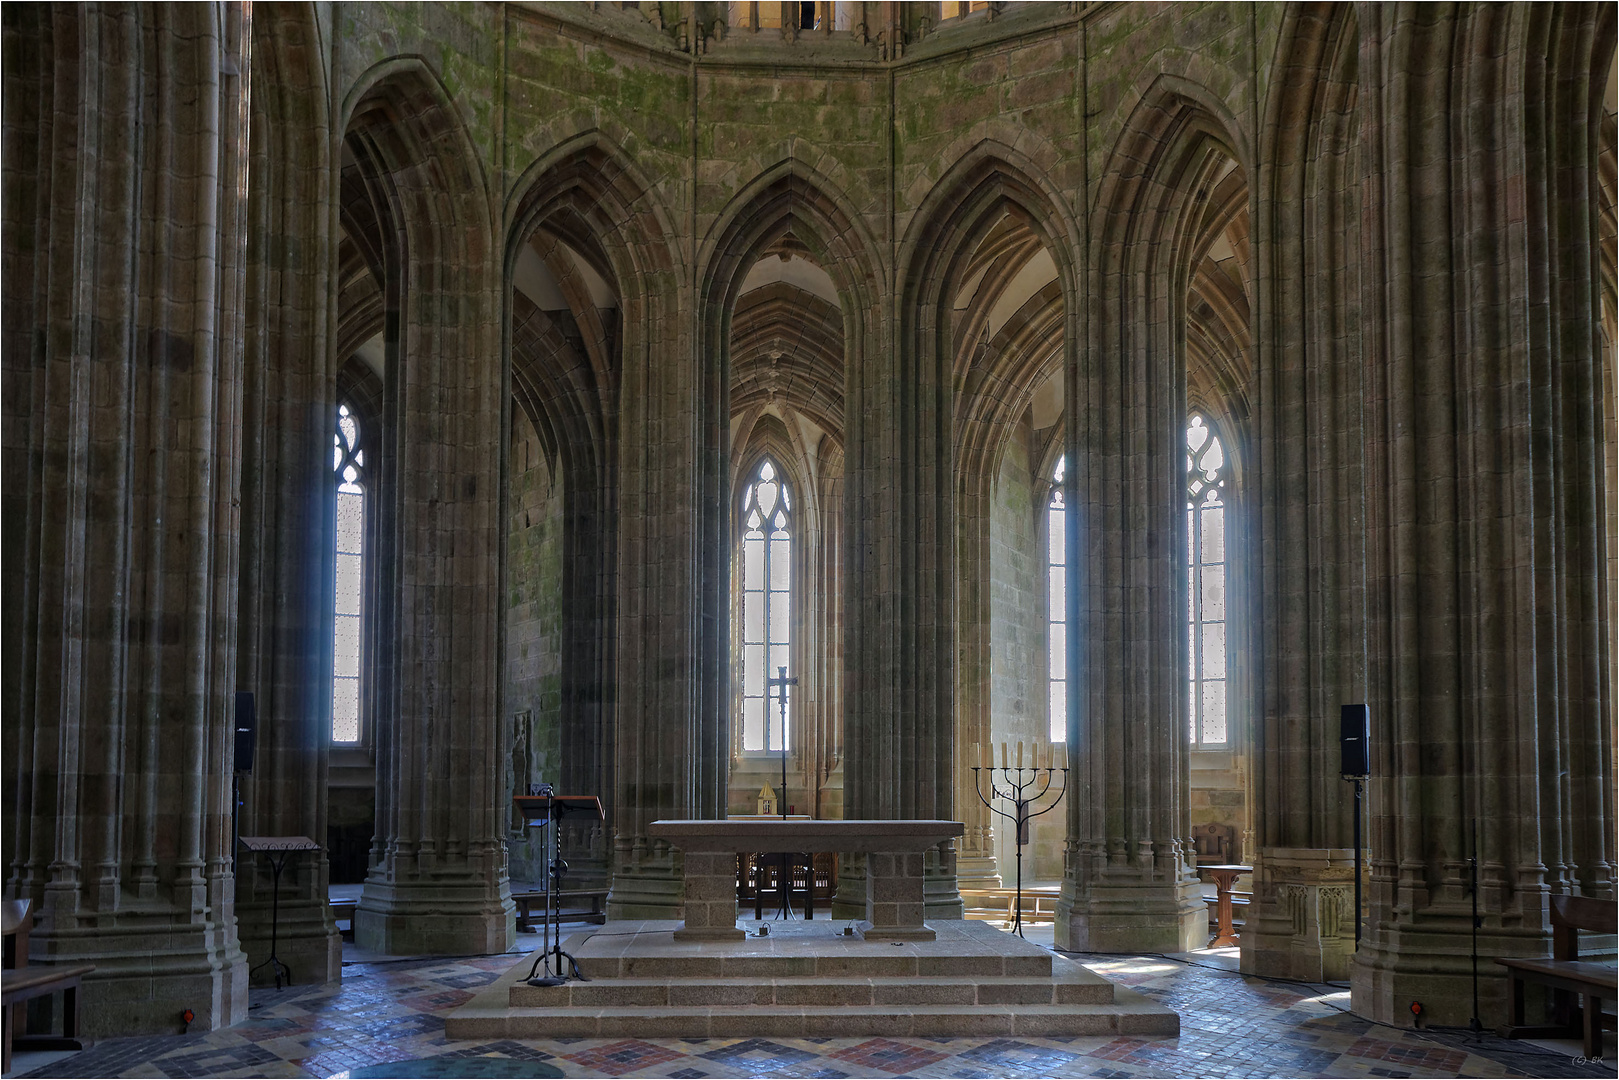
545 811
279 848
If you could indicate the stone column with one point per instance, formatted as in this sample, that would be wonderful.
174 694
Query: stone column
284 632
123 273
1310 596
1492 716
1129 885
438 882
974 678
674 652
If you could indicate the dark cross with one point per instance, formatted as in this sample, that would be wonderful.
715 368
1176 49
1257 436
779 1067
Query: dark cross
786 879
784 682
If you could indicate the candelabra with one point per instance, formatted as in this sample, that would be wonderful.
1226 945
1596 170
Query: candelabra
1018 784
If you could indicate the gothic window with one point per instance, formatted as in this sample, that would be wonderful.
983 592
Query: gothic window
1206 583
348 466
1057 603
766 581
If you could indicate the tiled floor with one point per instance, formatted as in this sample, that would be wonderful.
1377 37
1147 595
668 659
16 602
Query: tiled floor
386 1013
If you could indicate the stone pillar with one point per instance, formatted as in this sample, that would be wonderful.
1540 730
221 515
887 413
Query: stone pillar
1309 599
974 681
284 631
1492 716
1129 885
673 747
123 264
438 880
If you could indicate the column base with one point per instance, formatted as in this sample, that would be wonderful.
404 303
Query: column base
977 872
849 903
1301 923
1131 918
1433 965
651 887
941 896
147 976
306 940
434 918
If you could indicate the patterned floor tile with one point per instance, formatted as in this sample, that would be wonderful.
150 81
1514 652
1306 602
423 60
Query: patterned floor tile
618 1058
388 1018
889 1055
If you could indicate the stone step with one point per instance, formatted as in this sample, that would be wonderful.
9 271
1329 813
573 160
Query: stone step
1070 988
895 964
1130 1014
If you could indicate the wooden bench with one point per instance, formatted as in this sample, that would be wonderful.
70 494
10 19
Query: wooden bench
23 983
574 905
998 905
1568 977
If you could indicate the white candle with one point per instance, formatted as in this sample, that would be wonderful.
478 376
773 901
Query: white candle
1003 753
1020 753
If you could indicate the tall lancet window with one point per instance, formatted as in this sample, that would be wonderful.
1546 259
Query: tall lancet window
1206 583
1057 602
767 575
348 464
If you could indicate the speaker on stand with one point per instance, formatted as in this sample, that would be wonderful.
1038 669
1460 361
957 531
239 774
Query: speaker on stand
247 728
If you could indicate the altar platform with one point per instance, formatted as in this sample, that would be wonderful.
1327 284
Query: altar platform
808 979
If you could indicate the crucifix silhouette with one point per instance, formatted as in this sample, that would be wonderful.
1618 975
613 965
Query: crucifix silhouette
786 879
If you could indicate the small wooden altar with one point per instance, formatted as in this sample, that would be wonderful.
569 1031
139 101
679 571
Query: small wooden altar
894 853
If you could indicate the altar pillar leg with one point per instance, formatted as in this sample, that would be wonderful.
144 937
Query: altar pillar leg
710 880
894 896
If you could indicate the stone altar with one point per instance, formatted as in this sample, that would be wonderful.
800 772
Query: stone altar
894 867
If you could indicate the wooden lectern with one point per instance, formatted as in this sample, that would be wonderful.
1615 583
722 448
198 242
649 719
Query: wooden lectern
544 811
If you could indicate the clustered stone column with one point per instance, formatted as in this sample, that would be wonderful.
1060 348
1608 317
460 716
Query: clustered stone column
1492 718
124 267
438 882
1129 884
1310 604
285 656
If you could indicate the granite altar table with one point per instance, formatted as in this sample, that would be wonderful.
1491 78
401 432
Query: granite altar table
894 853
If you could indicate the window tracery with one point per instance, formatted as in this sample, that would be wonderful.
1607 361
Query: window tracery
348 466
1057 603
766 587
1206 584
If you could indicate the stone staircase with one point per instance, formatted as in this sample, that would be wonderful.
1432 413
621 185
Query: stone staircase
809 979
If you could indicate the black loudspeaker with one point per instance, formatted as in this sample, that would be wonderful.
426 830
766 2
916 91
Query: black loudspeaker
247 727
1354 732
